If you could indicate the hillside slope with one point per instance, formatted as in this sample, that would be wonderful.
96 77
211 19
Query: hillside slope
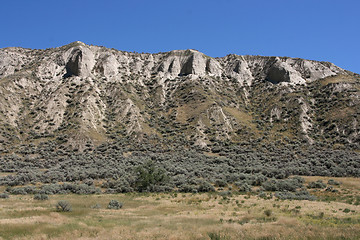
79 95
79 117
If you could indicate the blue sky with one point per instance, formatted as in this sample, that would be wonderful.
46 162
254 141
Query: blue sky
324 30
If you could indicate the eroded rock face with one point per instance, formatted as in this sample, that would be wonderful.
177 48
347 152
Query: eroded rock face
107 65
213 67
278 74
300 71
80 62
91 92
195 64
281 72
186 62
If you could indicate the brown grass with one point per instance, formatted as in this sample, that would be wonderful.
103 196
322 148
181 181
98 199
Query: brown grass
181 216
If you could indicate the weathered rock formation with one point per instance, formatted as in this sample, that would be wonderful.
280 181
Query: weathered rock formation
87 93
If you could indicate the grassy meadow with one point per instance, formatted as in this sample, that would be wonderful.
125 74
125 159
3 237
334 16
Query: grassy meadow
335 215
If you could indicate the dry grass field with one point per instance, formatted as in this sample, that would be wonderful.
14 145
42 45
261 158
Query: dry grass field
186 216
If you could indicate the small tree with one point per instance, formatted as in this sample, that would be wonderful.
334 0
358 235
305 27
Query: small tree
149 176
63 206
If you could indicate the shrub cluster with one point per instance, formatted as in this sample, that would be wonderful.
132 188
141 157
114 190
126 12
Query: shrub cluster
298 195
150 168
290 184
50 189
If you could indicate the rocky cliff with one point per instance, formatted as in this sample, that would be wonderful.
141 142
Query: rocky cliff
80 95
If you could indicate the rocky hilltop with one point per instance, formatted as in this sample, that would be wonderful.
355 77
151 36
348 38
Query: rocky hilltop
82 96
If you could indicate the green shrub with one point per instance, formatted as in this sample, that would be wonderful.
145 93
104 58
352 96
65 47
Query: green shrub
217 236
243 187
206 187
298 195
317 184
264 195
290 184
346 210
41 197
114 204
149 176
63 206
186 188
96 206
268 212
220 183
225 193
4 195
333 182
23 190
331 189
